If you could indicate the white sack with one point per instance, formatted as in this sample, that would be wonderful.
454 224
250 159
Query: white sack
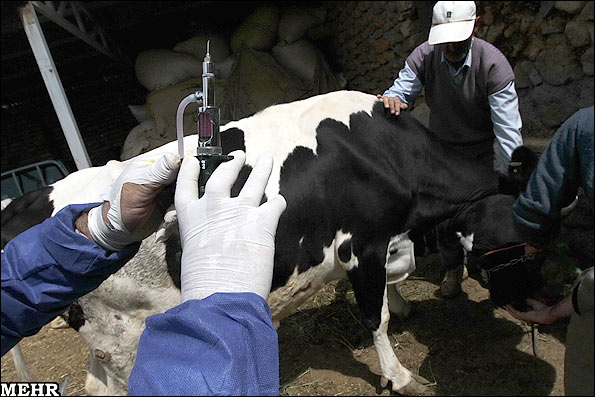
295 22
223 69
137 140
258 31
197 47
139 112
300 58
157 69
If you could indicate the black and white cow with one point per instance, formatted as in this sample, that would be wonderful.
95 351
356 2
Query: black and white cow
356 180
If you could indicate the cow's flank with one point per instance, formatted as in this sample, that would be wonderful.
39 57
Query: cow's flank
356 180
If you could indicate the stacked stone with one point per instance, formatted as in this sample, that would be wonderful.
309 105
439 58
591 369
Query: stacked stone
372 39
549 45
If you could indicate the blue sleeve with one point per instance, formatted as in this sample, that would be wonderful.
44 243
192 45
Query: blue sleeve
565 165
224 344
407 86
505 116
46 268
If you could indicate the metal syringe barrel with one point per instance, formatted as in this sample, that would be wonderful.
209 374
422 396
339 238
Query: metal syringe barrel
209 140
208 81
209 151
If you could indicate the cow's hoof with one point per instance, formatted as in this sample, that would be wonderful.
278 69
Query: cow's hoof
383 381
414 388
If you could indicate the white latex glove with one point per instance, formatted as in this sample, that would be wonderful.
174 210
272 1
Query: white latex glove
228 244
128 213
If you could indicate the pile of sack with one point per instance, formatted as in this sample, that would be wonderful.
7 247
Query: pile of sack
269 59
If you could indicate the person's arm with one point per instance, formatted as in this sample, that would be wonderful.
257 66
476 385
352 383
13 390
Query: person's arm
403 92
553 184
506 119
406 87
580 301
224 344
542 313
46 268
220 340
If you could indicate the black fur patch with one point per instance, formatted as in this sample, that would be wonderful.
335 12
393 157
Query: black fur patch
24 212
75 317
345 251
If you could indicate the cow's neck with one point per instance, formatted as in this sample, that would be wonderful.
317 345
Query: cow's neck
445 182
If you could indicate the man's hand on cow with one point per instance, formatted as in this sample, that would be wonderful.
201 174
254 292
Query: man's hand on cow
128 213
228 244
393 103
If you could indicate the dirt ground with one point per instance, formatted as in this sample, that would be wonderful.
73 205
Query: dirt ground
463 346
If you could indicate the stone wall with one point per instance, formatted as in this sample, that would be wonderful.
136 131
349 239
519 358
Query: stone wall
549 45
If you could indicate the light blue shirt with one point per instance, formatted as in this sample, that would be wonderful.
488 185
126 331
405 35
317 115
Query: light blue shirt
504 107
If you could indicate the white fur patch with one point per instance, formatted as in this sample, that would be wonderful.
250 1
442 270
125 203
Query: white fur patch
352 262
280 128
391 367
466 241
87 185
402 263
300 286
287 126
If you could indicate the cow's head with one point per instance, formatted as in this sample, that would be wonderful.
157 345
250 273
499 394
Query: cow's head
522 164
511 276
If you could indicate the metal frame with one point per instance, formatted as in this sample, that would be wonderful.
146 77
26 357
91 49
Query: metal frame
54 86
84 25
37 167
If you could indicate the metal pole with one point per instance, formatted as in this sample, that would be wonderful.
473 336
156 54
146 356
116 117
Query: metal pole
54 85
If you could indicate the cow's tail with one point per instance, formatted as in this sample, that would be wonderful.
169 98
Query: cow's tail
20 365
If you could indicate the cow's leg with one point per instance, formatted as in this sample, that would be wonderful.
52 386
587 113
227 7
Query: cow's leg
365 266
96 382
403 381
396 303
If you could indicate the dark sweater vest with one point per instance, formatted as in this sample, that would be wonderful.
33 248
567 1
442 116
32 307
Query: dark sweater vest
460 114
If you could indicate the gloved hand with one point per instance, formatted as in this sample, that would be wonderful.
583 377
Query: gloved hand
228 244
128 213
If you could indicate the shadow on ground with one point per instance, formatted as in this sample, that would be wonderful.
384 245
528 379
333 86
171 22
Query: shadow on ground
464 346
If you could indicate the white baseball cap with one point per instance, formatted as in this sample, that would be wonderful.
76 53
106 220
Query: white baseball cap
452 21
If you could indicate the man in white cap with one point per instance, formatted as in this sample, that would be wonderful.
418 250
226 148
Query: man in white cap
469 88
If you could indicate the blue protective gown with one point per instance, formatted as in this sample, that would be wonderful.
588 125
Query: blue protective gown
565 165
46 268
224 344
